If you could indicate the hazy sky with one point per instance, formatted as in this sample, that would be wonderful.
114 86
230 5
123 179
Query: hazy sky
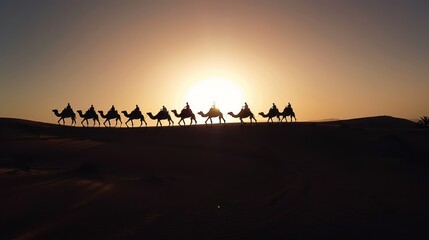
330 59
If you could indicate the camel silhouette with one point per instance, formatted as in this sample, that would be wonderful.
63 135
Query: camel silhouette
185 113
271 113
244 113
111 115
134 115
287 112
161 116
88 115
65 114
213 112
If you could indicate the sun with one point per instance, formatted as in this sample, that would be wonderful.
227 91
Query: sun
224 93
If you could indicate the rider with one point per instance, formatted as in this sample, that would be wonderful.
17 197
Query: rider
112 109
214 105
137 109
245 107
68 108
91 109
164 109
274 107
289 106
187 106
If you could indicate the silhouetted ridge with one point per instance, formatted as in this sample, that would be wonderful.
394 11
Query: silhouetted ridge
377 122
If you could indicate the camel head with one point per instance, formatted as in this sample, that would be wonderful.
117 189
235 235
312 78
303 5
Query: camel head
174 110
230 113
200 113
79 111
101 112
124 112
55 110
261 113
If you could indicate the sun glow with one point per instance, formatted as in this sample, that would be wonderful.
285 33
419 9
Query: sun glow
223 92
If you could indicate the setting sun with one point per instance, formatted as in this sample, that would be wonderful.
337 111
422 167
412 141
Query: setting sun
223 92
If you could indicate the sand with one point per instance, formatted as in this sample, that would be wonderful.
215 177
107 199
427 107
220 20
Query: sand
358 179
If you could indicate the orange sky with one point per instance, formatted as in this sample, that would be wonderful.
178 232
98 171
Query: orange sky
330 59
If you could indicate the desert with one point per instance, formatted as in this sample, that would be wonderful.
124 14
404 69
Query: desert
352 179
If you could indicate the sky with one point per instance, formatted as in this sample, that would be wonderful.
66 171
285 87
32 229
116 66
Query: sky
329 59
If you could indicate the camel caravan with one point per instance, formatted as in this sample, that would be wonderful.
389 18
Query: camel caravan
163 114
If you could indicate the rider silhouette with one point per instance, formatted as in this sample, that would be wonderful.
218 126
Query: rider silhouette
91 109
68 108
112 109
274 107
214 105
245 107
187 106
164 109
289 106
137 109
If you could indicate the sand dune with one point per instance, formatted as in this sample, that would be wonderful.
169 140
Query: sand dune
353 179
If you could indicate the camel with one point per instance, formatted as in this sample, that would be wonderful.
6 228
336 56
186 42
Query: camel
134 115
213 112
271 113
287 112
111 115
88 115
65 114
185 113
161 116
244 113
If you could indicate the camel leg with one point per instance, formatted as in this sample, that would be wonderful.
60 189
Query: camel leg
141 123
206 120
126 123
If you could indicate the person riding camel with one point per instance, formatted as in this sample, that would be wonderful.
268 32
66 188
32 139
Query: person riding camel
274 107
245 107
187 106
91 109
137 109
112 109
289 106
214 105
164 109
68 108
